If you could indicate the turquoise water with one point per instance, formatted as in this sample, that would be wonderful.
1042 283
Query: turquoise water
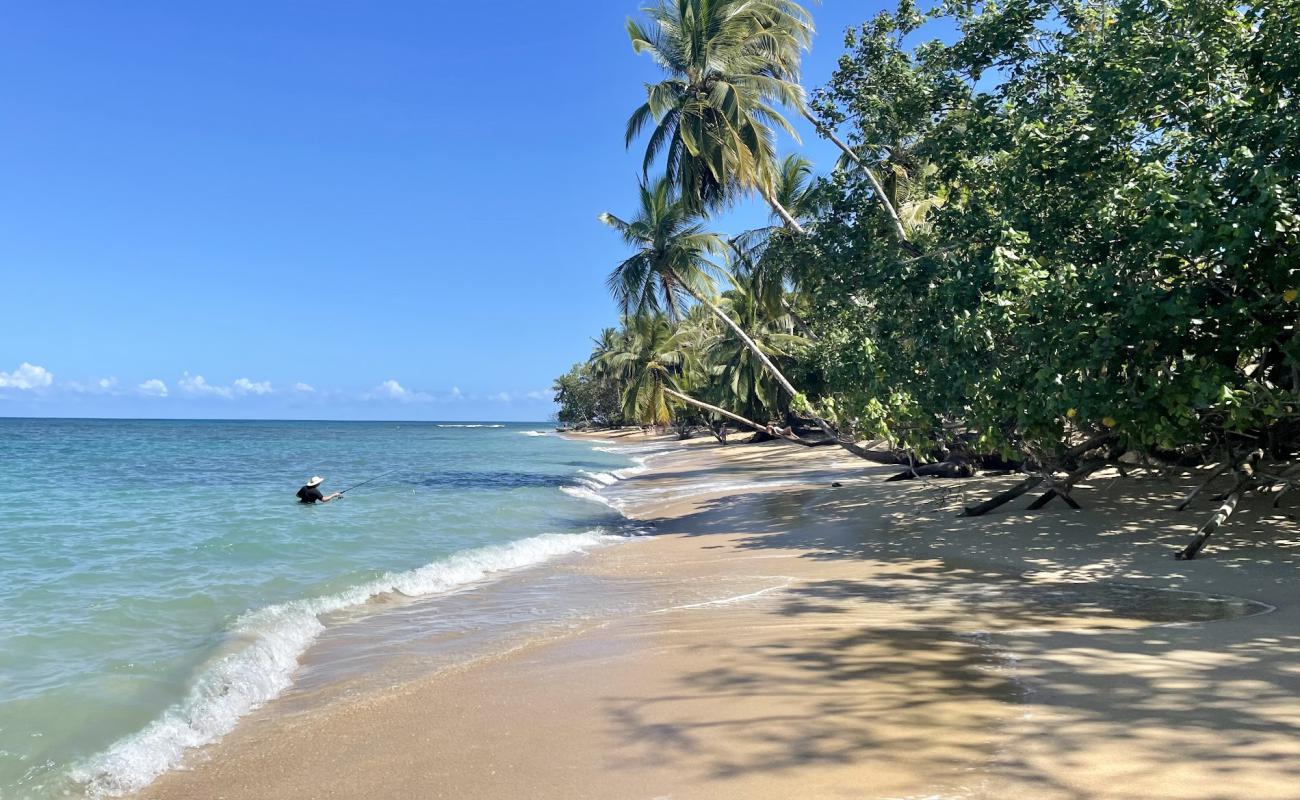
158 579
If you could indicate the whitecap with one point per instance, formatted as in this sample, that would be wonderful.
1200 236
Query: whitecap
272 639
590 494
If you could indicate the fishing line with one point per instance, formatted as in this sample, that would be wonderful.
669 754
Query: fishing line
372 480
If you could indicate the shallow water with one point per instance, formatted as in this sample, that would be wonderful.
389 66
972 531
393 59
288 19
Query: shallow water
158 580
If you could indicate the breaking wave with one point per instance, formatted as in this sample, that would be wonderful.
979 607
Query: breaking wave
271 640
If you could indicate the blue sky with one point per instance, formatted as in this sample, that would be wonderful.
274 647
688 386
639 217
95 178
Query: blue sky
318 210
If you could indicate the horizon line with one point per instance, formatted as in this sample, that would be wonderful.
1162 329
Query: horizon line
274 419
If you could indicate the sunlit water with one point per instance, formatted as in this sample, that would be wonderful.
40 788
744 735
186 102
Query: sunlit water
158 579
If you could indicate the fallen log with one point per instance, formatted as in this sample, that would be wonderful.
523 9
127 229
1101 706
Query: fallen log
944 469
1004 498
1277 501
1090 444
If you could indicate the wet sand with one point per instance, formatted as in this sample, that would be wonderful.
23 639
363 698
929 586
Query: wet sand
791 639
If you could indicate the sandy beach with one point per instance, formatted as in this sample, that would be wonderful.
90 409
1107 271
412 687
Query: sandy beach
859 641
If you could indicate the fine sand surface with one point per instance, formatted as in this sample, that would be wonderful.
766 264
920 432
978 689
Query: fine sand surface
807 641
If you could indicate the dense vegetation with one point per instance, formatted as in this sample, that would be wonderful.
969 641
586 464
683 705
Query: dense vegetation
1063 237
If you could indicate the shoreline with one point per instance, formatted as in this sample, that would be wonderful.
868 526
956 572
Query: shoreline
784 638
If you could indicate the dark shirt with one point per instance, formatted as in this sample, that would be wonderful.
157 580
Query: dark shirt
310 494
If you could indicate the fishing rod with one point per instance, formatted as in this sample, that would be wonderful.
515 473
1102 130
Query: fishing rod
372 480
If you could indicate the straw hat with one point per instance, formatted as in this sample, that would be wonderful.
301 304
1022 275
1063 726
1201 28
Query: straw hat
316 481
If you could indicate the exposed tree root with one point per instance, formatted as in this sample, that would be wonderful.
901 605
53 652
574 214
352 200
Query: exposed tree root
1187 501
1063 488
1246 480
1004 498
1219 517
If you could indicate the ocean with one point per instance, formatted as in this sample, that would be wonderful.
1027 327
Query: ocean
158 579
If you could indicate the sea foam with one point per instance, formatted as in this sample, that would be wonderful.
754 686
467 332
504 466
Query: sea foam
271 640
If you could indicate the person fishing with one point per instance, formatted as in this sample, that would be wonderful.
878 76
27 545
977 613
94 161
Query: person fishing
311 493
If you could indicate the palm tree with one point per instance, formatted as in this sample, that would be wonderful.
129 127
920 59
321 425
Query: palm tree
798 191
671 260
609 343
729 65
750 388
647 362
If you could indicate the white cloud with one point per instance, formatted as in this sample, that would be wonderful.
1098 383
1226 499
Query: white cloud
197 385
26 377
153 387
502 397
392 390
101 386
540 394
245 386
304 387
456 393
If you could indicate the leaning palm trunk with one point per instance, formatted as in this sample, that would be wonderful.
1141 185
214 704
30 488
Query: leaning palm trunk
899 231
786 305
770 430
799 323
772 370
781 211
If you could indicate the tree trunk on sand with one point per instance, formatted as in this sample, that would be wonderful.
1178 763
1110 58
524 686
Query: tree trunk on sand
1187 501
900 232
1005 497
1245 479
749 423
1063 489
1219 517
944 469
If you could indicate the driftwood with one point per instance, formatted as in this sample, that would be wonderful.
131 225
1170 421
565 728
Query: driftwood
1004 498
1245 471
1277 501
944 469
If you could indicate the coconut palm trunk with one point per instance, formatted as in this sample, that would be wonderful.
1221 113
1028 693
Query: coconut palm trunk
782 212
900 232
781 379
770 430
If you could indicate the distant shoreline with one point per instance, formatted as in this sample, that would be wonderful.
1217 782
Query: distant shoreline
279 419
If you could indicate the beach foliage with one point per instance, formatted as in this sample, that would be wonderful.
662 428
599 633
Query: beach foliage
1055 226
1105 201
